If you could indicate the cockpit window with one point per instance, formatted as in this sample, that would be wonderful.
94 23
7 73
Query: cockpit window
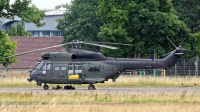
44 67
39 66
48 66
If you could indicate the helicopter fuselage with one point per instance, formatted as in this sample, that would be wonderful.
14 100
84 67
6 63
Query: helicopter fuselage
91 67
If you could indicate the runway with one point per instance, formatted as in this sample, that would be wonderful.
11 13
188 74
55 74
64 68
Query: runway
133 90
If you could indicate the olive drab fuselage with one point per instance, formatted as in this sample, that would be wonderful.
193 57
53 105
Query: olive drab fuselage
80 66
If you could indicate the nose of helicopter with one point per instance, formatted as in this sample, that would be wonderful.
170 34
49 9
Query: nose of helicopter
34 75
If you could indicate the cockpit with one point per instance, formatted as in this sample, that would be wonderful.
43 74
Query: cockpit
38 70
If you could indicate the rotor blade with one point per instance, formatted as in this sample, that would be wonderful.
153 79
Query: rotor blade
180 44
112 43
109 47
39 50
171 42
190 51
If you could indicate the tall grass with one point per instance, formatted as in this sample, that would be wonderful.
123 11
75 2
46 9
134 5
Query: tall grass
151 107
96 98
106 102
16 80
175 81
94 102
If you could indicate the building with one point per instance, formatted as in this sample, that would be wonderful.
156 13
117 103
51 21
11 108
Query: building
49 29
30 60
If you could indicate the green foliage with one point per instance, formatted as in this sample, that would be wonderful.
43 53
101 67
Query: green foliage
6 49
115 15
145 24
62 6
188 11
12 31
80 21
27 13
197 41
19 31
22 9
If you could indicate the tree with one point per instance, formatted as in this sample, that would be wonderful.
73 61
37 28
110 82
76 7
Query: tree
188 11
80 21
12 31
197 40
22 9
144 23
6 49
27 13
19 31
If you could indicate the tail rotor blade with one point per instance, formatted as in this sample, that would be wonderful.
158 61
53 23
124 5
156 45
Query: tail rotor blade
171 42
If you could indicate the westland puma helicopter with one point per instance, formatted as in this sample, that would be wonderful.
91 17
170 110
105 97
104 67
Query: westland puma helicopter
81 66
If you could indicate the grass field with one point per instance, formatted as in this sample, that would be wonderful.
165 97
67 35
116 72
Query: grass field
150 107
94 102
29 102
122 81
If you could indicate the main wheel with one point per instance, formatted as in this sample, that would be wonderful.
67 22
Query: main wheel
46 87
91 87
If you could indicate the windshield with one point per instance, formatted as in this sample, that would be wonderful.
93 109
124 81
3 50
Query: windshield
39 66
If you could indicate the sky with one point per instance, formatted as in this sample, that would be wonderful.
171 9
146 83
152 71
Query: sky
47 4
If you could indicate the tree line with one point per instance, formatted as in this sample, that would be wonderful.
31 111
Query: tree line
145 24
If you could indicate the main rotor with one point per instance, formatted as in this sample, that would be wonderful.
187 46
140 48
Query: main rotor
77 45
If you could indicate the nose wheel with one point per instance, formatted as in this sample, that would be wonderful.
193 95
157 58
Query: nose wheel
91 87
46 87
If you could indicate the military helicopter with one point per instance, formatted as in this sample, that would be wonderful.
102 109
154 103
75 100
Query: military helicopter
82 66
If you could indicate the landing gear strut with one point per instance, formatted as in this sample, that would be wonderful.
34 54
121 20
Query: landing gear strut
91 87
46 87
69 87
57 87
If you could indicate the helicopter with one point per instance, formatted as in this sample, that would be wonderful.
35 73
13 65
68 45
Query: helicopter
83 66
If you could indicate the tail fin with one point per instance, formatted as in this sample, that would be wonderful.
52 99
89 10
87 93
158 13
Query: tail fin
173 57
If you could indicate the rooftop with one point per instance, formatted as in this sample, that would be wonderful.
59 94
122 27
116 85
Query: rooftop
25 44
55 11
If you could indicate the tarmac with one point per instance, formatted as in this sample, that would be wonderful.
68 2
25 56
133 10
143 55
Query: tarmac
134 90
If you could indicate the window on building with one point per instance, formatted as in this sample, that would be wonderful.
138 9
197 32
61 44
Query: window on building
13 23
56 33
36 34
47 33
42 33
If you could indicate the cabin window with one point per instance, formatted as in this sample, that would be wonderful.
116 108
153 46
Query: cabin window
63 68
70 67
57 68
78 69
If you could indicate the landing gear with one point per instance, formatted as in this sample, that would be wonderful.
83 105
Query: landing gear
69 87
46 87
39 83
91 87
57 87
